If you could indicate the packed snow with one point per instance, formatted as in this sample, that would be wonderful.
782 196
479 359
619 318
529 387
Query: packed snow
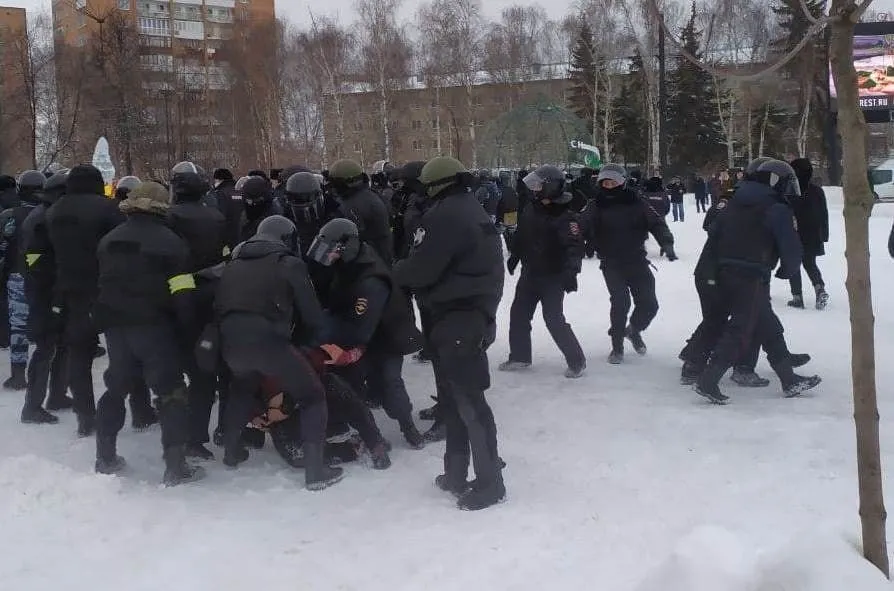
623 480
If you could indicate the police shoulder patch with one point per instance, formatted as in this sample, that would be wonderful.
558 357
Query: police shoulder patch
574 228
360 306
418 236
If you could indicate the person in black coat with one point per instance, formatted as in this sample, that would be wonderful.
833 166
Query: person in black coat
618 222
362 206
549 245
228 203
370 327
259 204
675 191
143 302
76 223
700 188
812 216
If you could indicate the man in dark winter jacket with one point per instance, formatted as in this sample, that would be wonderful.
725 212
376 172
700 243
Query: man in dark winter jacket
259 204
362 206
76 223
488 193
143 302
265 295
549 246
369 324
675 191
48 364
756 230
228 204
30 184
700 188
204 229
456 269
8 195
812 215
618 222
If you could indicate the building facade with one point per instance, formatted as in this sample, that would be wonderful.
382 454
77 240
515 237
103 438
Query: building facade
184 75
481 124
16 141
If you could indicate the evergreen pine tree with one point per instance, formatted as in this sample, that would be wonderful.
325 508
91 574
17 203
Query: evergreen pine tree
631 132
582 74
694 135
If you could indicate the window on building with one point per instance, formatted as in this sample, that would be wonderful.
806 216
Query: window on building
124 4
434 145
356 146
417 145
417 124
358 126
434 123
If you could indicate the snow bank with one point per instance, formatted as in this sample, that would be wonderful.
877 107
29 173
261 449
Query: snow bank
711 558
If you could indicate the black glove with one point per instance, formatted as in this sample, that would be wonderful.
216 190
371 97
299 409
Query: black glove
669 252
511 264
569 282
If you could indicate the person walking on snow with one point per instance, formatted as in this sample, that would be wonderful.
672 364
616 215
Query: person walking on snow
812 217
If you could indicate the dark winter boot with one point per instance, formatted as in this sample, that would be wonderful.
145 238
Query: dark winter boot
177 471
198 451
749 379
437 432
430 413
573 373
86 425
288 448
689 374
412 435
38 416
218 437
800 385
63 403
616 357
798 359
318 475
379 456
481 496
254 438
16 381
233 457
107 459
143 420
454 479
636 339
796 302
708 384
822 298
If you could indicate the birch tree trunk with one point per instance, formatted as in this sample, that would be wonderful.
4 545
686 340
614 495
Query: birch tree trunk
760 149
750 128
858 202
804 128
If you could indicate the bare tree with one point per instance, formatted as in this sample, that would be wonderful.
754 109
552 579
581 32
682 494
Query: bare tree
453 37
301 103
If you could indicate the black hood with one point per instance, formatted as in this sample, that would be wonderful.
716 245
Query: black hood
257 248
804 171
618 196
653 185
85 179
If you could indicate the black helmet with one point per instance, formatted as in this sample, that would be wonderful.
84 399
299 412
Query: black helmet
277 228
188 182
484 174
304 195
29 184
780 176
547 182
125 186
54 187
752 167
257 191
338 240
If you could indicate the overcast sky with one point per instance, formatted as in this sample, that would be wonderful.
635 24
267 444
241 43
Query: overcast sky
297 10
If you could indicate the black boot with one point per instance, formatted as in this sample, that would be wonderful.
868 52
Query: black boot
481 496
689 374
235 456
437 432
430 413
379 456
286 445
143 419
708 384
317 473
17 379
253 438
412 435
455 477
86 425
800 384
798 359
63 403
199 452
177 471
38 416
107 459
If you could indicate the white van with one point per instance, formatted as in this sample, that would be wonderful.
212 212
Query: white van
881 178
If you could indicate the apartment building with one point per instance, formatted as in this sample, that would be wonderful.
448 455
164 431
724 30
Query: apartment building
16 148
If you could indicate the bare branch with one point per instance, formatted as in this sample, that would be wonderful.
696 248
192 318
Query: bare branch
813 20
861 9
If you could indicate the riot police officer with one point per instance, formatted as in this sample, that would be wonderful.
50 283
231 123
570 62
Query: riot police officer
756 230
456 268
362 206
549 244
369 315
308 207
258 204
29 185
124 186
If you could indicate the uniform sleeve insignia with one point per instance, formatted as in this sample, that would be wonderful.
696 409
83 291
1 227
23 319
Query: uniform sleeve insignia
418 236
574 228
721 204
360 306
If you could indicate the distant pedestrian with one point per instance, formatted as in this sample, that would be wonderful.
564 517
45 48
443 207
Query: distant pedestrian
675 191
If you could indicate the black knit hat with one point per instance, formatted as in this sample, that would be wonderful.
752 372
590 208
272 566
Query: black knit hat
85 179
223 174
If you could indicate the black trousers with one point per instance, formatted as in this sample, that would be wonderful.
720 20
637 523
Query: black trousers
80 338
751 320
460 341
202 389
150 353
623 282
345 405
252 351
808 262
48 367
382 375
549 292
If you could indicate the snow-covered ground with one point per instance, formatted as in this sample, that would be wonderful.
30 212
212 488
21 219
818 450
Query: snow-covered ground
610 478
